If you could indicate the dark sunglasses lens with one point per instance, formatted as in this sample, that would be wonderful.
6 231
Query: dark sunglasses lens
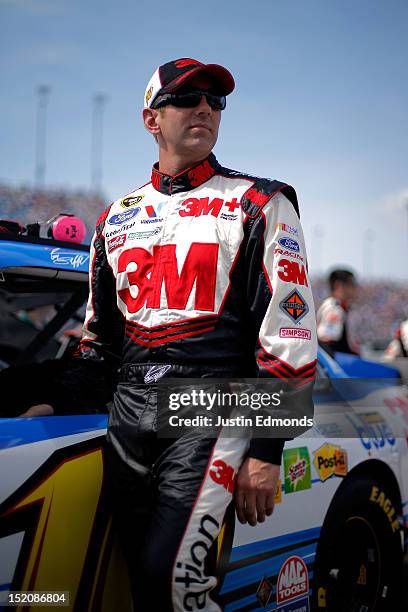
216 102
191 99
186 100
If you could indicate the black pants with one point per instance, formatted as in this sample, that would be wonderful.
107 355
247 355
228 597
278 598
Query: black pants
169 499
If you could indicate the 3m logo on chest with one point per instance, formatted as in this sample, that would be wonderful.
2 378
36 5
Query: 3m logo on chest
163 269
196 207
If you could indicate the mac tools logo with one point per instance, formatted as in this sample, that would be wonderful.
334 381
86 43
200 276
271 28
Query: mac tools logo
121 218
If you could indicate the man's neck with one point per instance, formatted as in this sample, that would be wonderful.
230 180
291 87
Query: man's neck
175 164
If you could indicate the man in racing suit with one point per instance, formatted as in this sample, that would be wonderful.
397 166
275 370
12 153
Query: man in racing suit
398 347
332 316
201 272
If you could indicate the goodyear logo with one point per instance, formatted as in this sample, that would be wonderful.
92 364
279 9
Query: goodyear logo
330 460
149 94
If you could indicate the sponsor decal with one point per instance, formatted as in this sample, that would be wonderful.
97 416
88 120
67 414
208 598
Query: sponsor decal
377 496
284 227
289 243
131 201
301 605
297 472
321 597
197 207
149 94
330 460
295 332
228 217
154 220
293 580
223 474
278 251
146 234
195 277
373 430
123 217
362 575
154 373
201 173
294 306
67 258
117 231
264 592
153 211
256 197
292 272
192 574
116 242
278 494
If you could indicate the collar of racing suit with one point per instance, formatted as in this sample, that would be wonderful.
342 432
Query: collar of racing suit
190 178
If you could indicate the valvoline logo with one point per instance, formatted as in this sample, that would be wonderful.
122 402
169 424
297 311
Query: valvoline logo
289 243
123 216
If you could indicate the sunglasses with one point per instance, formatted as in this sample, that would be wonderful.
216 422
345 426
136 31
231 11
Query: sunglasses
190 99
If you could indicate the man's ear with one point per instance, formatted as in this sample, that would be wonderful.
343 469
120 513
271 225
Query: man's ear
149 120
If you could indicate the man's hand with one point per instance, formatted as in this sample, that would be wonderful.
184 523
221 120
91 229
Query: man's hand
39 410
255 490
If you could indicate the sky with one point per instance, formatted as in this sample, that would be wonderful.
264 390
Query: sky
321 102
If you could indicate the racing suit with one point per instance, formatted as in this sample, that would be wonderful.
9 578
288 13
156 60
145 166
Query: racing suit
203 274
398 347
332 326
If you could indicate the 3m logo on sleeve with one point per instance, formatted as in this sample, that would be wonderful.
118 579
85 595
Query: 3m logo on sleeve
293 580
292 272
294 306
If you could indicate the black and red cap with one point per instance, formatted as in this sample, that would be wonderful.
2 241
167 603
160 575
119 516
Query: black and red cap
173 75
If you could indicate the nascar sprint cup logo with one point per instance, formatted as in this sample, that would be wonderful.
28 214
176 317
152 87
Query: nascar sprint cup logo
122 217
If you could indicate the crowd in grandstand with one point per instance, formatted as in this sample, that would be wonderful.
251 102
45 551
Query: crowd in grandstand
378 309
376 313
28 205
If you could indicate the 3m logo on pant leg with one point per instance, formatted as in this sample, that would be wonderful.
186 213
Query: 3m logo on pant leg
161 268
223 474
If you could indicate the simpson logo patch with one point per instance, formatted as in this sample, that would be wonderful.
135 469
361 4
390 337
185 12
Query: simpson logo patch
294 306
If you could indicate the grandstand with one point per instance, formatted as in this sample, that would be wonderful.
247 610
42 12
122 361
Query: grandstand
379 308
28 205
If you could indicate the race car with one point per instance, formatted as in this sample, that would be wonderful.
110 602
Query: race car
335 541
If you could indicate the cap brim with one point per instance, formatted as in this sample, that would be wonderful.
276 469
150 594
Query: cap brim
224 79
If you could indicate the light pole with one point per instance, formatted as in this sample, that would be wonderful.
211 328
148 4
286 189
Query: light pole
41 134
98 102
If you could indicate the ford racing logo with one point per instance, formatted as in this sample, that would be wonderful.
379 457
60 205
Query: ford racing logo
289 243
66 258
123 216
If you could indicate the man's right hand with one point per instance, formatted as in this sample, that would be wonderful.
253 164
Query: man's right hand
38 410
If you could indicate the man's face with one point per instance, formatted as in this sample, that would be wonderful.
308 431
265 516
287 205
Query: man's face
189 131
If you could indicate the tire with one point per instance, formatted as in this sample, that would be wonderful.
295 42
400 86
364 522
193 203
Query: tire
359 558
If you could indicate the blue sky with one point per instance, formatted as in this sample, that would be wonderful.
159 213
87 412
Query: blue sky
321 102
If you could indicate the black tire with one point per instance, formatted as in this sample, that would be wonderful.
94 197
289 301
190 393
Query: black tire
359 557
